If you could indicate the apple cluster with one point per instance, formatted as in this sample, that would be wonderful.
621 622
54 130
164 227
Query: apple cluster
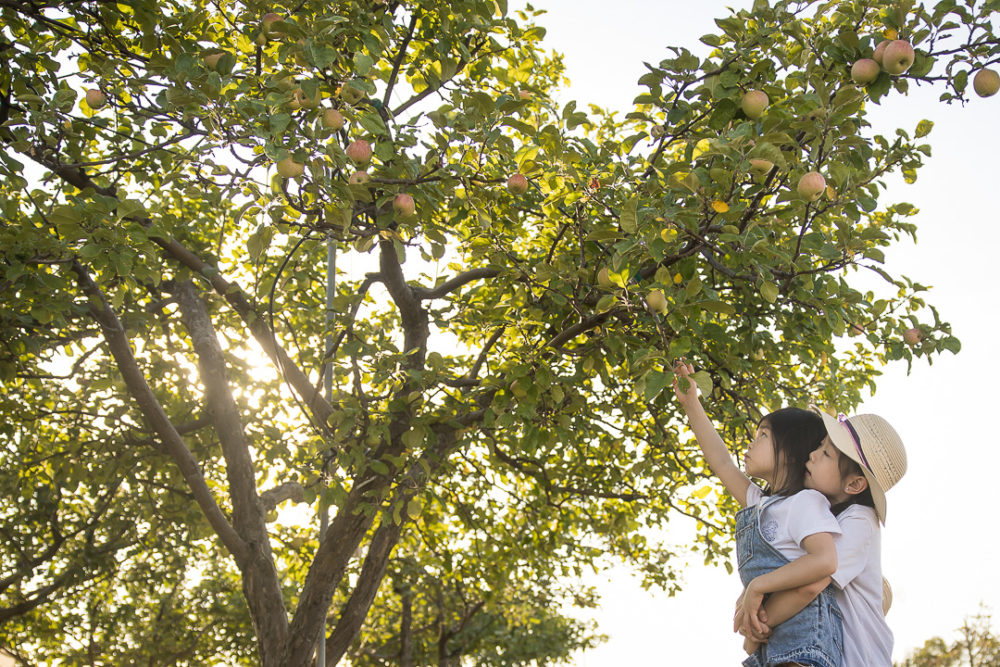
896 56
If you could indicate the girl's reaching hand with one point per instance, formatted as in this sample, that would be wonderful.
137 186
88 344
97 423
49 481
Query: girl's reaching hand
687 396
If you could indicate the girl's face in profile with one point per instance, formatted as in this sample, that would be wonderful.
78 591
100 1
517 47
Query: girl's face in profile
759 460
823 469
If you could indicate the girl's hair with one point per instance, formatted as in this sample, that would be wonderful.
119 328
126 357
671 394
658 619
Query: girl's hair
795 433
847 468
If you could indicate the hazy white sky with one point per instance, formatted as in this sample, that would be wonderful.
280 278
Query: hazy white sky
940 547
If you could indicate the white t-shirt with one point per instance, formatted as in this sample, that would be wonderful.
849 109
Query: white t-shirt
787 520
858 589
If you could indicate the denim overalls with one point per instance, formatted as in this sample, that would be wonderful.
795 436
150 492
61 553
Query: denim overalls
815 635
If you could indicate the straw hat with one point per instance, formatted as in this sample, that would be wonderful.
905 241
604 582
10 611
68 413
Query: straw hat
886 596
871 442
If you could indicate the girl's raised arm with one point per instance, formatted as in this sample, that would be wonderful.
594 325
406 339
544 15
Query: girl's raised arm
716 453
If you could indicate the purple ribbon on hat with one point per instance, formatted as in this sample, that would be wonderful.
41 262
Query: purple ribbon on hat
857 441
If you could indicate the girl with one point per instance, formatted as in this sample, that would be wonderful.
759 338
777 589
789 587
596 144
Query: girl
861 458
784 539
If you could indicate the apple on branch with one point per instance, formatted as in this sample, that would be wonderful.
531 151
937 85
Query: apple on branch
986 83
913 336
359 178
811 185
656 301
212 60
333 120
359 151
517 184
898 57
351 93
754 103
267 21
95 99
761 166
403 205
289 168
880 51
865 71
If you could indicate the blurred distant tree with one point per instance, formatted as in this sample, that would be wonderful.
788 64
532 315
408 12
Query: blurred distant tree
976 646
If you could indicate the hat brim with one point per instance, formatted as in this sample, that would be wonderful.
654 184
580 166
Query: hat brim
841 438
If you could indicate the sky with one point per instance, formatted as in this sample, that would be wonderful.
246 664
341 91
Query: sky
940 546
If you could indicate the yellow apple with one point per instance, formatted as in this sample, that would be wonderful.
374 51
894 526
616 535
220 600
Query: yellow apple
986 82
289 168
656 301
811 186
754 103
333 120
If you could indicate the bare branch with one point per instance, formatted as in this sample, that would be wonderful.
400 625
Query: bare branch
271 498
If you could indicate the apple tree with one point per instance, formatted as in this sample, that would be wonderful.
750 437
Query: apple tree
263 259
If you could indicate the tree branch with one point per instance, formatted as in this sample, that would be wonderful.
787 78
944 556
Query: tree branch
261 584
171 441
449 286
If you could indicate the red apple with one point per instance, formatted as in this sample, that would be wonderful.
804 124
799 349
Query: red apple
333 120
898 57
289 168
517 184
880 51
811 185
986 82
267 20
359 151
865 71
95 99
913 336
754 103
403 205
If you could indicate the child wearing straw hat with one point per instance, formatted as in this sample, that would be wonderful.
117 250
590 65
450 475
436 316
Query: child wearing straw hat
785 532
861 458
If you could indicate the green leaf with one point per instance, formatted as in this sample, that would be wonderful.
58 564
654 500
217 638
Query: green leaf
704 382
655 382
629 216
924 128
414 508
693 287
769 291
362 64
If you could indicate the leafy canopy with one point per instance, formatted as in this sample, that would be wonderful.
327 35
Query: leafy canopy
482 401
